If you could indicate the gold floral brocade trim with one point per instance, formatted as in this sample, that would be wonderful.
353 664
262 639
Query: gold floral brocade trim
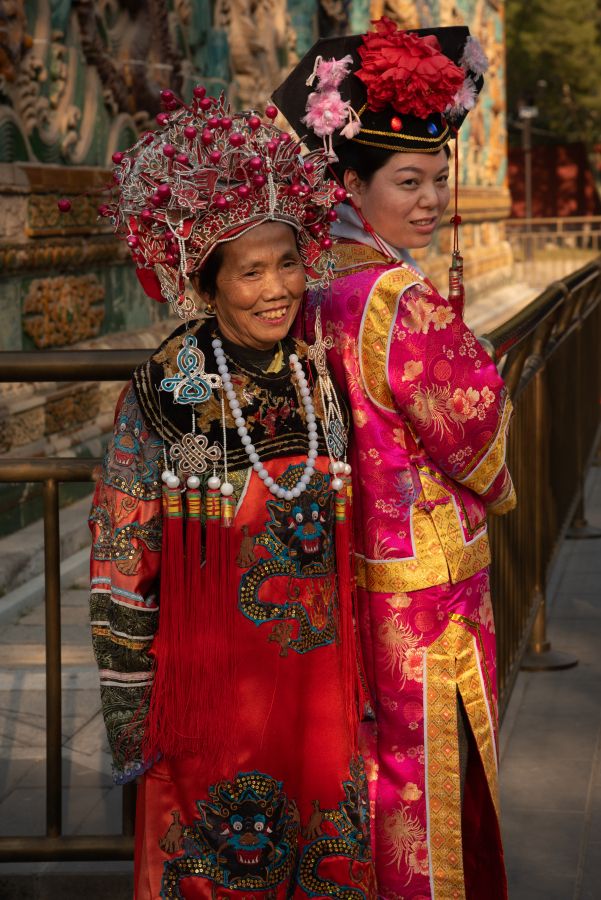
506 502
440 555
352 256
426 568
464 558
448 489
451 665
477 693
374 334
443 786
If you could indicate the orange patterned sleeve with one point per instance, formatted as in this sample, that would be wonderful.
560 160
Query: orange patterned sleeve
125 521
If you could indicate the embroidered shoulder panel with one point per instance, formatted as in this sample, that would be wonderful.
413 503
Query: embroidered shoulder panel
132 458
351 257
374 335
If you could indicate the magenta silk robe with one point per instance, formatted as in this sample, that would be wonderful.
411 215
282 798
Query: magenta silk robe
430 422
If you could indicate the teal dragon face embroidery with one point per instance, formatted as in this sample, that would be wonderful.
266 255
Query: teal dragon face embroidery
292 580
244 838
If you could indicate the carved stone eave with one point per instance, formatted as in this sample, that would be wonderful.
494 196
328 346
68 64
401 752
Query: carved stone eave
75 253
484 203
262 46
35 214
48 177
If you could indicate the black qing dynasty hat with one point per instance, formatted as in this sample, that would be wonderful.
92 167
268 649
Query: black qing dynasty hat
406 90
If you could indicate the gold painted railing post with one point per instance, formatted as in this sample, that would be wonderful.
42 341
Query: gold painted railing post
540 656
538 641
580 528
53 660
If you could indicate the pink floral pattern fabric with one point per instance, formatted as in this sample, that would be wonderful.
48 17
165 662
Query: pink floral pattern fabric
430 416
398 630
438 411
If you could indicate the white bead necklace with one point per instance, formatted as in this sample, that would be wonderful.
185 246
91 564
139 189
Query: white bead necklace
240 422
337 467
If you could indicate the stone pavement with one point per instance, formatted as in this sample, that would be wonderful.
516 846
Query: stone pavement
550 748
91 803
491 308
551 740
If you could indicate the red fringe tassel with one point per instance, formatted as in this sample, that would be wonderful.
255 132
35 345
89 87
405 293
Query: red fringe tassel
161 723
354 695
193 650
193 562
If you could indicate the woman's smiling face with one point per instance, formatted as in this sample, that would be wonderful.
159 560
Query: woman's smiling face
405 199
259 286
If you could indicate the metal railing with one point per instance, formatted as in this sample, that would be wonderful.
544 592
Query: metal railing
549 357
62 366
550 349
547 249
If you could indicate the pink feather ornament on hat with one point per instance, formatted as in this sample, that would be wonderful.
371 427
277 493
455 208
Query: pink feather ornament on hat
331 72
474 58
464 100
326 110
474 63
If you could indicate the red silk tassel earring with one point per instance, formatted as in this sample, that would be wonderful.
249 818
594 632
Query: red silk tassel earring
456 287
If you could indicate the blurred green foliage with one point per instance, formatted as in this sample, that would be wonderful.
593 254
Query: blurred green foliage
554 63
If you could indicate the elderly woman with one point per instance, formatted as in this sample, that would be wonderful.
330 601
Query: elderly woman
431 416
222 628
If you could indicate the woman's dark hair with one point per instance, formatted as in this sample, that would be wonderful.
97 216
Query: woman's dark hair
364 160
206 279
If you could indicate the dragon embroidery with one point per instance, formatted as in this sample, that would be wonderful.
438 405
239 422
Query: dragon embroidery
124 544
341 832
132 463
292 580
244 839
247 837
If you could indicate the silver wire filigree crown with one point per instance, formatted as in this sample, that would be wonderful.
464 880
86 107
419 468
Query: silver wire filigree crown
207 176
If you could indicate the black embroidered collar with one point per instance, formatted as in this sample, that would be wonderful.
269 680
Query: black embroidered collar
270 403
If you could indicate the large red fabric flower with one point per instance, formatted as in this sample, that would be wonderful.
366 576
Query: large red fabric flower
406 71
